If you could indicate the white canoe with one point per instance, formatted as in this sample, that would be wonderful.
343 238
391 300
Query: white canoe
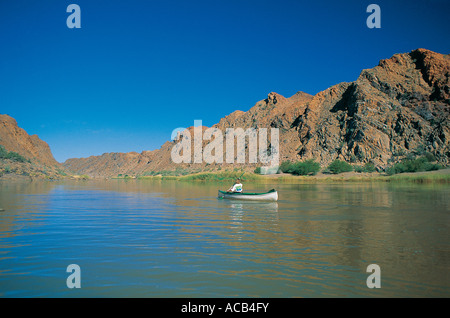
271 195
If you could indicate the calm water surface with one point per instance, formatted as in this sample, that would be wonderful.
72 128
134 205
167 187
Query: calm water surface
143 238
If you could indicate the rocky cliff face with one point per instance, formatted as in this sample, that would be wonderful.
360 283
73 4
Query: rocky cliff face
14 138
399 107
39 162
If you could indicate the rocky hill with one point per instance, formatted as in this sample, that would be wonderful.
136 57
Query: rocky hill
114 164
399 107
32 156
274 111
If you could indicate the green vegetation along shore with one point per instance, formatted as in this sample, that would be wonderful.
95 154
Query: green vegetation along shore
418 169
438 176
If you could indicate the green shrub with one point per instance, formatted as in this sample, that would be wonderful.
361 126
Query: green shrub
5 154
285 166
257 170
301 168
368 167
339 166
16 157
413 165
308 167
430 157
61 172
218 176
358 169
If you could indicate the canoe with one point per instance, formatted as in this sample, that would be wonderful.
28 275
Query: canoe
271 195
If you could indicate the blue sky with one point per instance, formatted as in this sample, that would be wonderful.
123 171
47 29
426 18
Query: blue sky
136 70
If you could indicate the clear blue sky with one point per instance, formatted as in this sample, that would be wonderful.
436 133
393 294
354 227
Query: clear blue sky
138 69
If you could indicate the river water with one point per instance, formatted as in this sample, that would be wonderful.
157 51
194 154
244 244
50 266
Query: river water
143 238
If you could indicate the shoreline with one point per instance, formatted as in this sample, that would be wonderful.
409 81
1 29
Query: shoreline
437 176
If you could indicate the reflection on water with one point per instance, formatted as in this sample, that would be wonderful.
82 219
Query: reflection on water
147 238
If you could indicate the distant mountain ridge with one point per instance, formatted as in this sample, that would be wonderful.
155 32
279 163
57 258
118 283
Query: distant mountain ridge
397 108
400 106
274 111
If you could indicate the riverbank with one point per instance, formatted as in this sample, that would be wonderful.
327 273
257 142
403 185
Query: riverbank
439 176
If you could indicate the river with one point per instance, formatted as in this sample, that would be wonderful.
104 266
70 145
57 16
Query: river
149 238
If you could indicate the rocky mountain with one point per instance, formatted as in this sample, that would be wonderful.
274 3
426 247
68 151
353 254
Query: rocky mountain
16 139
39 161
274 111
399 107
113 164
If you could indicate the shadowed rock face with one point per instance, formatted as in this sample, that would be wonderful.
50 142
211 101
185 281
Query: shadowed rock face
399 107
14 138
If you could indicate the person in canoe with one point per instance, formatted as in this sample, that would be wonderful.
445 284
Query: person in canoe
237 186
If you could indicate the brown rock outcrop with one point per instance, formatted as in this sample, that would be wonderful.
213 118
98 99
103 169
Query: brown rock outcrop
35 161
16 139
396 108
399 107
